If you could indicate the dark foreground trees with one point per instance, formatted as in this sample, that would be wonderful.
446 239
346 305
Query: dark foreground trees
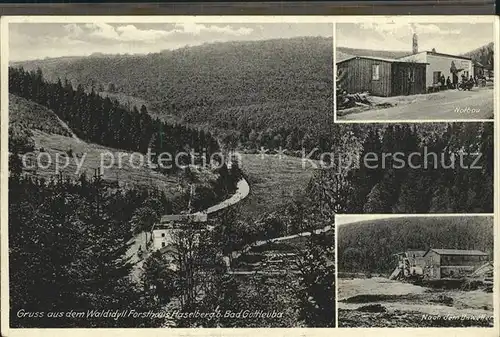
67 253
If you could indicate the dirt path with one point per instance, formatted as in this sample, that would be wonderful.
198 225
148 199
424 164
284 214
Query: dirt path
452 104
375 286
405 304
64 125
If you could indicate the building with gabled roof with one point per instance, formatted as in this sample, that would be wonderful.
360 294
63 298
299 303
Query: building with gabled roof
382 76
441 64
452 263
415 73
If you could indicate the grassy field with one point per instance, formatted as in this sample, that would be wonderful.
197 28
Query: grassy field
273 181
54 143
379 302
128 172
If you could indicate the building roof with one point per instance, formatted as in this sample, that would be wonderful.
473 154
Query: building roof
377 59
457 252
417 253
448 55
168 249
195 217
430 52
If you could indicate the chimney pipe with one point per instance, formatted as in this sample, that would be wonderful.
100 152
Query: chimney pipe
415 44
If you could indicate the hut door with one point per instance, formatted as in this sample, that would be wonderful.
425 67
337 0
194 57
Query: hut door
398 80
403 77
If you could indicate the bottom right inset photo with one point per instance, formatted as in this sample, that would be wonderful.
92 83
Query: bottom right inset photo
414 270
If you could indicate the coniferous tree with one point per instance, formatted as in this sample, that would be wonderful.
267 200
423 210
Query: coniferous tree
100 120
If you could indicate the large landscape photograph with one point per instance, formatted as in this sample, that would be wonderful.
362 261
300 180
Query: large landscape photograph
207 230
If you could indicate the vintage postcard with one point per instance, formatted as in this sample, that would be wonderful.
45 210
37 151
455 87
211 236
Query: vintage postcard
188 175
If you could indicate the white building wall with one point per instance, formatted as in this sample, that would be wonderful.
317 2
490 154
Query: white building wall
166 237
443 64
163 238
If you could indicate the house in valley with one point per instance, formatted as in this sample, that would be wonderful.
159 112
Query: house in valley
164 233
452 263
435 264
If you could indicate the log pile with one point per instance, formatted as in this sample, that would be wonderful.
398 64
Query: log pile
346 100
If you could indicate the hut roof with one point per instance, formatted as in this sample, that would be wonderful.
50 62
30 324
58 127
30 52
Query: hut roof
432 52
378 59
457 252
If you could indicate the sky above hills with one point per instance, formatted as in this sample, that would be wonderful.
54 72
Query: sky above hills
28 41
449 38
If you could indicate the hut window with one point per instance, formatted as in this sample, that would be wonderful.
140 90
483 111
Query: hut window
375 72
436 77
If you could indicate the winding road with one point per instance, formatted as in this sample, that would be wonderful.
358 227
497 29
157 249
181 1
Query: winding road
242 191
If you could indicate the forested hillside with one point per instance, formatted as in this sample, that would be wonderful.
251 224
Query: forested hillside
436 168
99 119
483 55
368 246
270 93
69 236
30 115
102 121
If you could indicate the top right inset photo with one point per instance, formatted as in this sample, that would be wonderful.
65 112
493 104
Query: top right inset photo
414 71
